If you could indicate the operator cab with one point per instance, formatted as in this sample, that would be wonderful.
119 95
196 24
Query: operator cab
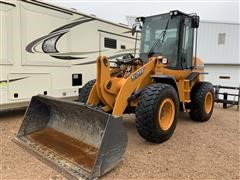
170 35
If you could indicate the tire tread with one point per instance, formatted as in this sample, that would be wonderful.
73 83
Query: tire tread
146 110
85 91
197 98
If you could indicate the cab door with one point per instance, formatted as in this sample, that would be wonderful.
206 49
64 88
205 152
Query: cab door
187 44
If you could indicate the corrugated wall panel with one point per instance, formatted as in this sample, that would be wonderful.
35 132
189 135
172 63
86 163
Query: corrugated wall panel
225 75
208 48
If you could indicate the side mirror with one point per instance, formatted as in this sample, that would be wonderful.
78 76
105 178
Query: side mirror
195 21
134 29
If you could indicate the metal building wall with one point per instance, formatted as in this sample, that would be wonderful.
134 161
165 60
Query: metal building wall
208 48
227 75
222 61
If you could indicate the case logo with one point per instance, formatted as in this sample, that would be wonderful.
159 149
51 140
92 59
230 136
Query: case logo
137 74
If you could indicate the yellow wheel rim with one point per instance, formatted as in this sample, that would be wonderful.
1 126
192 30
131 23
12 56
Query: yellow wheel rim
166 114
208 102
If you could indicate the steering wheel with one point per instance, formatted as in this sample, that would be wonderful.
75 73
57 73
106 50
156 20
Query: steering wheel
128 59
128 56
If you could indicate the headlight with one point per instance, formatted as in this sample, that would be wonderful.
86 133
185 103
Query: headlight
164 60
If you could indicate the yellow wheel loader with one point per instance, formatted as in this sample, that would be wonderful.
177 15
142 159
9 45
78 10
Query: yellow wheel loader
86 139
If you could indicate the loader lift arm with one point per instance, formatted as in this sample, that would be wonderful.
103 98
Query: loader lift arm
115 91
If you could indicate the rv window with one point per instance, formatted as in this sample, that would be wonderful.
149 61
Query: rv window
110 43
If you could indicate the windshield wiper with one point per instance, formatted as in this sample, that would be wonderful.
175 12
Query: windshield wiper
160 38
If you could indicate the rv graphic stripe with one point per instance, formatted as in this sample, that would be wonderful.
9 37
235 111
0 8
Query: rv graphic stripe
5 82
49 42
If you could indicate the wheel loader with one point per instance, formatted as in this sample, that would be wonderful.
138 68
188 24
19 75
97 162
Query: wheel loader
87 139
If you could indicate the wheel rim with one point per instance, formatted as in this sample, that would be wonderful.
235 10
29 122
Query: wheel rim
208 102
166 114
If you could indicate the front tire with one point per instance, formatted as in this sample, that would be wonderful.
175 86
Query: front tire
156 112
85 91
202 101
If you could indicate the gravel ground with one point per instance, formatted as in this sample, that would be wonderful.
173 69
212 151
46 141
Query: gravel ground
196 151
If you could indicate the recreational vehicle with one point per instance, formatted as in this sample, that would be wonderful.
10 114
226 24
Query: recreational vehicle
46 49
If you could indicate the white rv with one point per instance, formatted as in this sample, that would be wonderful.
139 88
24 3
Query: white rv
46 49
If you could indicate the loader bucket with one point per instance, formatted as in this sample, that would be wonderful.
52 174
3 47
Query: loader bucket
77 140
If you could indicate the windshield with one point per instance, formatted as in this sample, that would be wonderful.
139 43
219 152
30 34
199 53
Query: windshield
168 44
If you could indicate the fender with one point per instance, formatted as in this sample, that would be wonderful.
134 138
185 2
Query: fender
166 79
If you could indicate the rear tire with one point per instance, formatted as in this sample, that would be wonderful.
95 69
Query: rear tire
156 112
85 91
202 101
